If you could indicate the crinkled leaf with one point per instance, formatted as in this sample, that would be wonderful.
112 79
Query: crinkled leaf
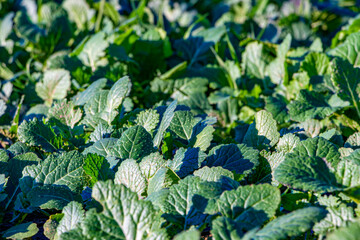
51 196
262 133
309 105
97 168
101 131
36 133
115 97
73 215
346 79
64 112
129 174
233 157
249 205
291 225
306 173
150 164
134 143
102 147
182 124
349 50
149 119
64 169
350 232
54 85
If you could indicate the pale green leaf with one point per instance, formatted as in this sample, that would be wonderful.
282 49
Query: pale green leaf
65 112
54 85
21 231
165 123
129 174
149 119
134 143
262 133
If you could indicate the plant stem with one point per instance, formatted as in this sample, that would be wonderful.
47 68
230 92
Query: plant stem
99 16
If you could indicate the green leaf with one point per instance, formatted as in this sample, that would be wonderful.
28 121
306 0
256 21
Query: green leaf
37 134
179 206
186 161
224 228
262 133
64 169
16 166
150 164
115 97
213 174
97 168
309 105
182 124
163 178
85 96
73 215
165 123
18 148
353 141
54 85
101 131
315 64
338 215
21 231
202 137
64 112
291 225
346 79
287 143
350 232
277 107
149 119
349 50
93 50
51 197
249 205
253 60
318 147
348 173
129 174
102 147
306 173
123 216
189 234
233 157
2 107
134 143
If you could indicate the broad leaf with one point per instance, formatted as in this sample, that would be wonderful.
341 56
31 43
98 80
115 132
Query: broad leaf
54 85
21 231
134 143
291 225
262 133
64 112
73 215
249 205
233 157
129 174
36 133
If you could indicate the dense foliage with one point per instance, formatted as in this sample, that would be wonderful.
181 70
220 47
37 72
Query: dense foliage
161 119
